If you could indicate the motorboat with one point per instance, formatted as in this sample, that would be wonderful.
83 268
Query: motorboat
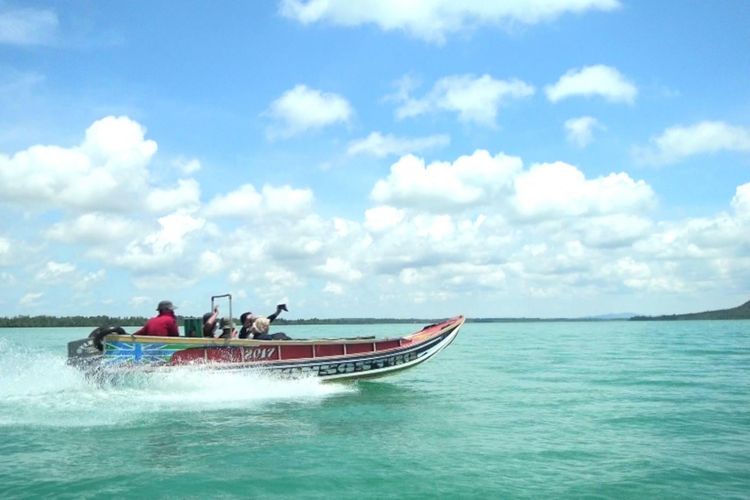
112 351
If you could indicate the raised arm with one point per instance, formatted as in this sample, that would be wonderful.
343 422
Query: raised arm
279 308
208 326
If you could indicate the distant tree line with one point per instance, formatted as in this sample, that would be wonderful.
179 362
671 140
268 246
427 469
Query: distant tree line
64 321
742 312
102 320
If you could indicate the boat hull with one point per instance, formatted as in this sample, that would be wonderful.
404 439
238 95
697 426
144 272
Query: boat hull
327 359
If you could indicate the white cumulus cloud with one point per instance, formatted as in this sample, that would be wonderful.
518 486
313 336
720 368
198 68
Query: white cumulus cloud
186 166
55 271
106 172
440 233
383 217
162 248
339 269
580 131
559 189
286 200
741 201
434 20
440 186
4 251
303 109
186 195
242 202
612 231
474 99
94 229
598 80
380 145
680 142
247 202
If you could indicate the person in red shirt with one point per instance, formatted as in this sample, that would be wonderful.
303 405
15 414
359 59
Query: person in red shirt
162 325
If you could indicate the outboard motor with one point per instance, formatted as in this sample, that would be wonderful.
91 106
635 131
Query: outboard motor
83 352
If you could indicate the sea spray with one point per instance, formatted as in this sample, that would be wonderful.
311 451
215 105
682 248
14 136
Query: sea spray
40 389
26 373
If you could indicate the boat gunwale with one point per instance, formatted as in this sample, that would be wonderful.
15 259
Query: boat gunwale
219 342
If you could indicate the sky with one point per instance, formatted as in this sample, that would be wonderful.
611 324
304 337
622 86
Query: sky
535 158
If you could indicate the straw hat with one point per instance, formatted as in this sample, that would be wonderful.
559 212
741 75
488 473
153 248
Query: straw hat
260 325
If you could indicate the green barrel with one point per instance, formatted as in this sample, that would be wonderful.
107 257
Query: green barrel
193 327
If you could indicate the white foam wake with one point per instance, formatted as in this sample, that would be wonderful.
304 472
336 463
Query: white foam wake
38 388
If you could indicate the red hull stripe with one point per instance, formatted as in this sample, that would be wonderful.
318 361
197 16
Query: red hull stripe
283 351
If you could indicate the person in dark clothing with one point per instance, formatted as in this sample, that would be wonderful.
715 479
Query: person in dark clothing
260 331
209 322
247 319
162 325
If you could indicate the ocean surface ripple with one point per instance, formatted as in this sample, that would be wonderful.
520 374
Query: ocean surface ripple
510 410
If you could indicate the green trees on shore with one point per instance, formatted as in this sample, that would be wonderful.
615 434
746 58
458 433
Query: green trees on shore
65 321
740 312
95 321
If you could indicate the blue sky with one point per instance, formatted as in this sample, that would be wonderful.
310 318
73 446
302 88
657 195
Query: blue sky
535 158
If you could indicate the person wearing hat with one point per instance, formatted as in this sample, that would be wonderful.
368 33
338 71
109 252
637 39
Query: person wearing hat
162 325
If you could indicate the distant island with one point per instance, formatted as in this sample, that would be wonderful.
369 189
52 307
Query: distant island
739 312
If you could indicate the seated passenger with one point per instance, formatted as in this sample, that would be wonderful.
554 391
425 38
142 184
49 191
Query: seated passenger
247 319
209 322
260 331
227 330
162 325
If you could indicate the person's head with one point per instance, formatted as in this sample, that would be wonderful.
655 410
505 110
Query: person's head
206 317
247 319
260 325
165 305
225 324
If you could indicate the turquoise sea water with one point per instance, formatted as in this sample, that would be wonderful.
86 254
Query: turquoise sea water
527 410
